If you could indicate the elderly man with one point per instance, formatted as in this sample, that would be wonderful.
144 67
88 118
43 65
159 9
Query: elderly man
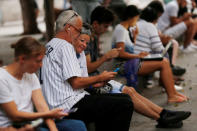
64 78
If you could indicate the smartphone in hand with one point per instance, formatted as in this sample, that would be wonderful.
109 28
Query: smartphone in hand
37 122
116 70
70 111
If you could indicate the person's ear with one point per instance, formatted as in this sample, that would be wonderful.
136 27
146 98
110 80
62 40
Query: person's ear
67 27
21 58
95 24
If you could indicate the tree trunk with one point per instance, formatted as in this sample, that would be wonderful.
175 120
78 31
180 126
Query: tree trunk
49 19
29 17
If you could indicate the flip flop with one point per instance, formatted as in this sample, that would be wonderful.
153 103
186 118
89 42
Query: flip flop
181 95
178 100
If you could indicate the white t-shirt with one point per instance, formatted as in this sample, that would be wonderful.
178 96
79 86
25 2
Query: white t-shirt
19 91
148 38
171 10
59 64
121 34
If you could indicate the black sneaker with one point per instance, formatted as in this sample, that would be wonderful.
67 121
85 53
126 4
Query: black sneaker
173 116
170 125
178 71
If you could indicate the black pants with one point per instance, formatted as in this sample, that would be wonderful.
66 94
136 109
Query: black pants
109 112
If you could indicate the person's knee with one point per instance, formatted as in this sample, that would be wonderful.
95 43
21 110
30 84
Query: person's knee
175 43
132 90
165 62
190 23
129 90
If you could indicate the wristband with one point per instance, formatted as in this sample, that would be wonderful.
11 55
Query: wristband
121 87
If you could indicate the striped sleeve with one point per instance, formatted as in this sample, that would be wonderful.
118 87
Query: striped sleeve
142 44
155 40
70 64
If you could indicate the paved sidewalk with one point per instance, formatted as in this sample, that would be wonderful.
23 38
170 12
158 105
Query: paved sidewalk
139 122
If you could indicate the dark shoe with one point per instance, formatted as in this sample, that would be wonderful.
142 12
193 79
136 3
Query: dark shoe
173 116
170 125
178 71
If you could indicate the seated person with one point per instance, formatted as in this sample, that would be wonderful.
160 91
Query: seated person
141 104
165 39
170 24
20 90
64 76
148 39
131 63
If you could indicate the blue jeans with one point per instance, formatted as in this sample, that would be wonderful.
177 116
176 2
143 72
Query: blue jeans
67 125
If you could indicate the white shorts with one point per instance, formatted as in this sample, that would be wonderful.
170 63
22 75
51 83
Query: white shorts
176 30
116 86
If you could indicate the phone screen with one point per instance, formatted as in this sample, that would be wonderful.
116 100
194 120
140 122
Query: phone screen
71 110
116 70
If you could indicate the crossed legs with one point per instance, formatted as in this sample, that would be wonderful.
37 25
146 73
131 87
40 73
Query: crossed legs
143 105
191 30
166 77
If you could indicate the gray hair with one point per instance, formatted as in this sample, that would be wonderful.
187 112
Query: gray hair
86 29
66 17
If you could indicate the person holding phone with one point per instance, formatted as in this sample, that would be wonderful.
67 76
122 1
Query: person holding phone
65 78
132 64
20 91
141 104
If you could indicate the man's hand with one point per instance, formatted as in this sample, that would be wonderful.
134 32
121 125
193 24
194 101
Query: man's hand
106 76
112 53
57 113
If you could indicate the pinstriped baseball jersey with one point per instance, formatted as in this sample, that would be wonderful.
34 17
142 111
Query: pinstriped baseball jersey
60 64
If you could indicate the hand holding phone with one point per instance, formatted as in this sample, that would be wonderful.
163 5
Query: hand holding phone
116 70
36 123
70 111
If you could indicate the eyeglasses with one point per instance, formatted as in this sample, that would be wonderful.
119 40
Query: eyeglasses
78 30
74 15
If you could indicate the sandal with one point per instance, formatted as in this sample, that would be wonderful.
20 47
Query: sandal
183 96
178 100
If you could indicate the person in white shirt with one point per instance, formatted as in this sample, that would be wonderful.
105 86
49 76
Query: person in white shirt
20 90
141 104
132 63
171 25
148 39
65 77
165 39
